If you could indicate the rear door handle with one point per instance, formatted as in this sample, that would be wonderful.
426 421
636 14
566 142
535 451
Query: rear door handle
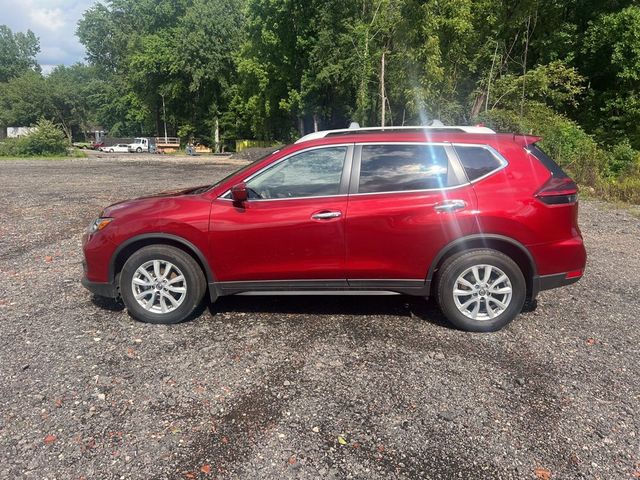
450 206
326 215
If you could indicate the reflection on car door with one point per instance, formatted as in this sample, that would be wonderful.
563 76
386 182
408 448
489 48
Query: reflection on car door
292 226
406 202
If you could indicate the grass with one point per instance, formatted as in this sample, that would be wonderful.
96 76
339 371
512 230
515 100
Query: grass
72 153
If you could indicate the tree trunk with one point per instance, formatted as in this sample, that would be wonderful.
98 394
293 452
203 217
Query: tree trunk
477 104
315 122
301 125
66 129
216 136
493 63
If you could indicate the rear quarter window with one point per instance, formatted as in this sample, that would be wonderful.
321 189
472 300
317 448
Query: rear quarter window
477 161
547 161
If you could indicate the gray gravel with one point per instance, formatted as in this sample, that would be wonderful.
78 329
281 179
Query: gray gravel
334 387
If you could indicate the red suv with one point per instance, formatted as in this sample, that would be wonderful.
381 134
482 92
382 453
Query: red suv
480 220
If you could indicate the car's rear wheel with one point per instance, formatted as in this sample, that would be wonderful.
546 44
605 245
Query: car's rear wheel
161 284
481 290
111 150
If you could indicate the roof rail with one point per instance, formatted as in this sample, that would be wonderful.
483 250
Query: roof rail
350 130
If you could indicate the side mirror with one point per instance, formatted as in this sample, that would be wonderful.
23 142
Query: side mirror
239 193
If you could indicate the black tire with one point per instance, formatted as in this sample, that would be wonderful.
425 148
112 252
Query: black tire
456 266
530 306
138 150
111 150
194 281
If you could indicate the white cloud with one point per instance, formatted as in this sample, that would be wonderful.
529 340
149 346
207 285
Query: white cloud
47 18
54 22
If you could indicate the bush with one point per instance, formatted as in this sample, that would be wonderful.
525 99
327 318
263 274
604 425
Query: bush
624 161
46 140
625 190
8 147
563 139
614 174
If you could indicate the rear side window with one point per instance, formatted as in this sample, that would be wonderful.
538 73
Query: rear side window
477 161
397 168
547 161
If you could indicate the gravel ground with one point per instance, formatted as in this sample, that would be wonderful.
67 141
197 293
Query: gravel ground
331 387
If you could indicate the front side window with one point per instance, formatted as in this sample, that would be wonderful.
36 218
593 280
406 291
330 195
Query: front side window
313 173
396 168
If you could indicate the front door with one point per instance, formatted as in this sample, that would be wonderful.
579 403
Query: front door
292 226
407 202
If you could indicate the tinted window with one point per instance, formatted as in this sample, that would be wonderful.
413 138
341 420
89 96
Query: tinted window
307 174
547 161
393 168
477 161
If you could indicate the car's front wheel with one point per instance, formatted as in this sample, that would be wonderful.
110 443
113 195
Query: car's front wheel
161 284
481 290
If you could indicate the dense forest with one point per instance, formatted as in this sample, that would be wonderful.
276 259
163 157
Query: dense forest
275 69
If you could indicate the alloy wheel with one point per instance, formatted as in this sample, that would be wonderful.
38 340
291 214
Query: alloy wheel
159 286
482 292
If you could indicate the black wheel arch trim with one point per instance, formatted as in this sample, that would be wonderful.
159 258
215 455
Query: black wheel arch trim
460 242
162 236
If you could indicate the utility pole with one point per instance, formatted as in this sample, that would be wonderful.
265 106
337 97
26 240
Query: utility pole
164 117
382 93
216 135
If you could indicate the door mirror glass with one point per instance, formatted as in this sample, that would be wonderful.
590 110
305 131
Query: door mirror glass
239 193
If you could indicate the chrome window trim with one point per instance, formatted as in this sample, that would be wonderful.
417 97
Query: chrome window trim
355 168
288 198
396 192
497 155
346 171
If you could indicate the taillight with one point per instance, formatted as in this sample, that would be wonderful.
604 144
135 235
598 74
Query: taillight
557 191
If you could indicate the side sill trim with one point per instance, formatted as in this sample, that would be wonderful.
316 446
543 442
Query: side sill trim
320 287
318 292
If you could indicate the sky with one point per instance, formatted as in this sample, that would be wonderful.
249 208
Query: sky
54 22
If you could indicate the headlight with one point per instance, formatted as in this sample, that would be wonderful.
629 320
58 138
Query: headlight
99 223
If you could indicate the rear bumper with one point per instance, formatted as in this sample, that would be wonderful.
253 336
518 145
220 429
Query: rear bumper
557 280
101 289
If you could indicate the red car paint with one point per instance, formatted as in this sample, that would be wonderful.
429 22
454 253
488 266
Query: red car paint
386 237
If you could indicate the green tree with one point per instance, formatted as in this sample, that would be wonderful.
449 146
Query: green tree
180 53
24 100
613 46
17 53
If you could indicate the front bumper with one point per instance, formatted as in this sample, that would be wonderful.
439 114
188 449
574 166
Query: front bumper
101 289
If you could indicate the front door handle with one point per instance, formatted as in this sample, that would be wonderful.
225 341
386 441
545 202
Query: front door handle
326 215
450 206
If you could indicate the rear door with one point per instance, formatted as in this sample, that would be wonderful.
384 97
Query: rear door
406 202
